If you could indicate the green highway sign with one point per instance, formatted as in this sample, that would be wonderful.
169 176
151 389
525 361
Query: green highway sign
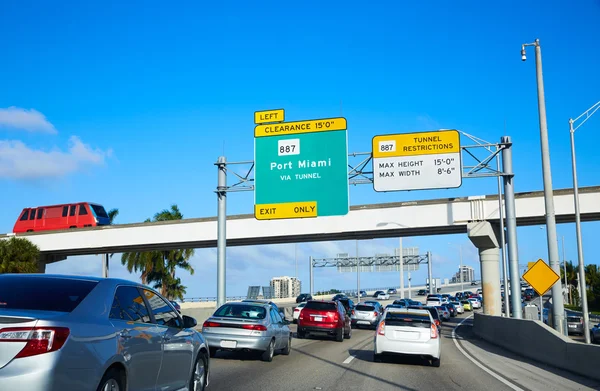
301 169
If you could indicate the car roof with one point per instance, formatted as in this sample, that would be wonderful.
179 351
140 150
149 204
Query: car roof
411 311
73 277
243 302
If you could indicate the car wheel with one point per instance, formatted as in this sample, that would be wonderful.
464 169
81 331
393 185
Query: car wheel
435 362
268 354
198 380
300 334
288 347
340 335
113 380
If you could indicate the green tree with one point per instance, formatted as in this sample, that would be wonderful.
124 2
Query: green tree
159 267
18 255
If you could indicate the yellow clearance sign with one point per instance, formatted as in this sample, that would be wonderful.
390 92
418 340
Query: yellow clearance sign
309 126
287 210
266 116
414 144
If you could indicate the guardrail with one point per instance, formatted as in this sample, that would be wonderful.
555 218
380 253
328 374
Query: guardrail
209 299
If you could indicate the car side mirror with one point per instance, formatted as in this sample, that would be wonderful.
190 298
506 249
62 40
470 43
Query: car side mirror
189 322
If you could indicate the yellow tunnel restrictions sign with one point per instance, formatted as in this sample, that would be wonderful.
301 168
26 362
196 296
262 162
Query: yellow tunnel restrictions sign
287 210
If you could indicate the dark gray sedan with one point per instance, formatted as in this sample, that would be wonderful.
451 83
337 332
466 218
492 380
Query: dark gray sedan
86 333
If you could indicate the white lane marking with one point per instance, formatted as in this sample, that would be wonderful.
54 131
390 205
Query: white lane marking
467 355
348 360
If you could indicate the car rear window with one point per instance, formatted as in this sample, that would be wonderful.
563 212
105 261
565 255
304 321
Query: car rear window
407 319
573 319
43 293
364 308
320 306
241 311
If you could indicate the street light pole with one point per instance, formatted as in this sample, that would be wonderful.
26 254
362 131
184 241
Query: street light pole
357 274
583 296
564 265
462 288
401 255
558 309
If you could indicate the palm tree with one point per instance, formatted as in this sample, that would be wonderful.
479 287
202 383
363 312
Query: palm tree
159 267
18 255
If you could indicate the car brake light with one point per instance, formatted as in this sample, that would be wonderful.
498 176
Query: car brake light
437 322
434 331
39 339
352 312
296 309
255 327
381 328
211 324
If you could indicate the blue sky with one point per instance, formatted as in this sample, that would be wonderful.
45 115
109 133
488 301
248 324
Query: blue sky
130 105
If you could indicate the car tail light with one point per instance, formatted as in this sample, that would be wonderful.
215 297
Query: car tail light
39 339
211 324
375 313
255 327
353 312
296 309
381 328
434 331
437 322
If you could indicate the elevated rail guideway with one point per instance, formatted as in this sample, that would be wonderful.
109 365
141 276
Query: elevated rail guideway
410 218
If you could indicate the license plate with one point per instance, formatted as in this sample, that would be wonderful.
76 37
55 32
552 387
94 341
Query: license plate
318 318
572 326
228 344
363 322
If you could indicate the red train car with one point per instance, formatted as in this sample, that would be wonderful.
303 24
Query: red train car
64 216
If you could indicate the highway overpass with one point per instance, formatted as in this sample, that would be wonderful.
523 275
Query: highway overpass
411 218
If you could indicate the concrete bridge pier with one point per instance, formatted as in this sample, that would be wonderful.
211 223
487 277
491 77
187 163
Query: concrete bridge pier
45 259
485 237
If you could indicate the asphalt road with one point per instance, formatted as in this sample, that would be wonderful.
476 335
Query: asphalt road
322 364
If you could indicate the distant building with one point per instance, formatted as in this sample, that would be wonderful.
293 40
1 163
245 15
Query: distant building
285 287
468 274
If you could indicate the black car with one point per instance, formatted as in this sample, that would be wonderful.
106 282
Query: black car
451 308
422 292
303 297
347 303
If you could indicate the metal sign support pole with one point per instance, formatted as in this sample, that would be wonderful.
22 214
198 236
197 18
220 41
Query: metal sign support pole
430 273
511 230
221 229
400 254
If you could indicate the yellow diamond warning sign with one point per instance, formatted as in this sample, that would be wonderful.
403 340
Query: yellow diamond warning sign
541 277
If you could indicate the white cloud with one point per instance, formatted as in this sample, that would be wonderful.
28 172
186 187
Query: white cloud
23 119
18 161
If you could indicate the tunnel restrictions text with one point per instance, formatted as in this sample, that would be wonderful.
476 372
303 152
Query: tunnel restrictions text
417 161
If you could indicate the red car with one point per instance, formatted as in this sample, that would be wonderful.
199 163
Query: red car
64 216
325 317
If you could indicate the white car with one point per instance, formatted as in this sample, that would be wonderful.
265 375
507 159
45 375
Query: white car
408 332
475 304
459 308
297 311
383 296
433 301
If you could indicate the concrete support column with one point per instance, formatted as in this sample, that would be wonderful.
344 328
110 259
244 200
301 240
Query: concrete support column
41 266
485 237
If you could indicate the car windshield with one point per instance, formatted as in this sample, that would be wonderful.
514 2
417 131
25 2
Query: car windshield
43 293
361 307
320 306
465 302
407 319
241 311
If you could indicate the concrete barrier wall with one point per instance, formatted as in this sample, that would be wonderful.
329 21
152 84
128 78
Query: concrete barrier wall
535 340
